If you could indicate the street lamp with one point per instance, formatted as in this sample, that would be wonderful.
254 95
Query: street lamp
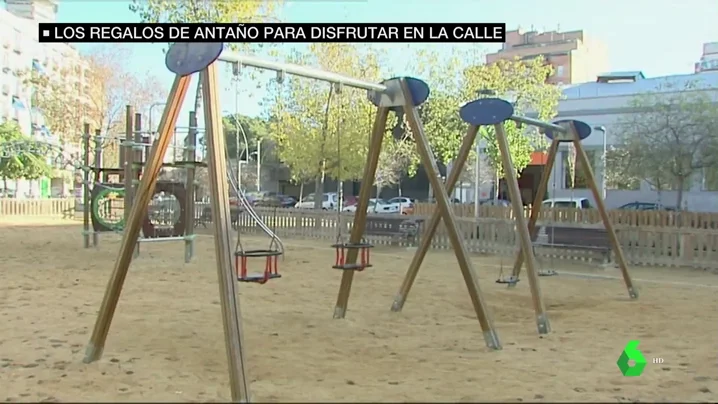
603 161
238 129
258 156
477 164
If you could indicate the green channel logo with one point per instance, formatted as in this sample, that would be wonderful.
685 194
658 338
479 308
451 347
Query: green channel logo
631 353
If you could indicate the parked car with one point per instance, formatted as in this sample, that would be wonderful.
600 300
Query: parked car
251 197
376 205
329 201
575 203
404 205
288 201
269 199
645 206
350 200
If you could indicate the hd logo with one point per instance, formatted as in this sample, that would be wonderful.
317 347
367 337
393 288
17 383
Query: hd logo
631 353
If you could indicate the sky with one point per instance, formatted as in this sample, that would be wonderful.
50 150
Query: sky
656 37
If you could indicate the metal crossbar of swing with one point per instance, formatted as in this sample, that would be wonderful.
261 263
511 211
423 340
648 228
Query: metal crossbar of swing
537 123
297 70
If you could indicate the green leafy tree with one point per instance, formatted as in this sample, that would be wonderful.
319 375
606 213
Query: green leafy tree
672 139
460 78
398 157
523 82
205 11
320 132
254 128
439 113
20 155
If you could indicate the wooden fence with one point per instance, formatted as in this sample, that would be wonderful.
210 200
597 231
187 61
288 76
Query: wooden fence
642 245
657 218
647 238
37 207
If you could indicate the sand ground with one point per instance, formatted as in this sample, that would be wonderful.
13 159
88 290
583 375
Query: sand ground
166 342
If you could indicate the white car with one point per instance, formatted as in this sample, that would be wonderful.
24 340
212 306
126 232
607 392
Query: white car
328 203
376 205
571 203
401 204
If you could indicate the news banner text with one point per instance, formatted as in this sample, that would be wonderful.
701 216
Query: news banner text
134 32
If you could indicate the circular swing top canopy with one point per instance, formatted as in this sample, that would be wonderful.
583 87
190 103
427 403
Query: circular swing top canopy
185 58
486 111
393 96
583 130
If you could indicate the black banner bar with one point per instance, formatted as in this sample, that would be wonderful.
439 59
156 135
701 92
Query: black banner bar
295 33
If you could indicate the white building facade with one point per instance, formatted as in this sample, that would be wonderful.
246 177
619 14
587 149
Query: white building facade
20 51
602 104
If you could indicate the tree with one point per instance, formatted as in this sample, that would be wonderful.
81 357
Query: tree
21 156
439 113
60 95
523 82
397 158
116 88
205 11
254 128
98 96
320 132
672 138
456 80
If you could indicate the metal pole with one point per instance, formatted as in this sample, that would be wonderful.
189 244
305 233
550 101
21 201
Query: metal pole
190 155
604 168
297 70
239 154
98 173
86 185
129 161
477 179
540 124
259 165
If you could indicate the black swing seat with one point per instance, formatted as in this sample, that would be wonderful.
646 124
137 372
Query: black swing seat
341 265
548 272
258 278
258 253
509 280
352 267
352 246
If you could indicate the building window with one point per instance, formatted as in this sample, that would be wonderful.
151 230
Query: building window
6 68
17 47
559 71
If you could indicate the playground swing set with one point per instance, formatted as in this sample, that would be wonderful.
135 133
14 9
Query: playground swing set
407 93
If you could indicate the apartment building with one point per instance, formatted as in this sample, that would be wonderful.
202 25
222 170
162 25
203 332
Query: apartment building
576 58
21 51
709 58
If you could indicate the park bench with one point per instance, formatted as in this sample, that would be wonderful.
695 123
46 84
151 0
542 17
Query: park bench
396 227
574 238
206 216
